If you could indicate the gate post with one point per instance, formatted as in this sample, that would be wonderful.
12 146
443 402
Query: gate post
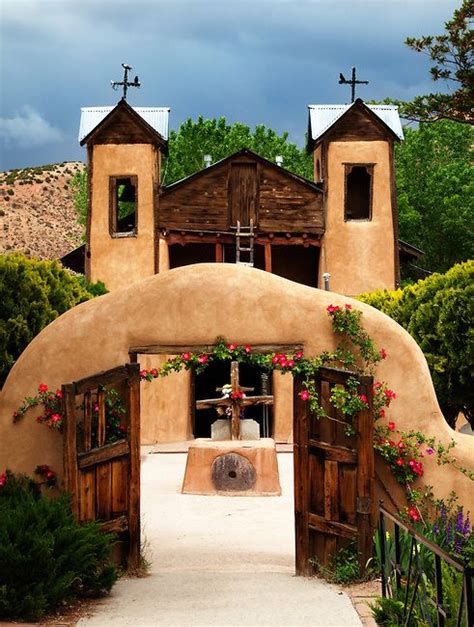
70 445
133 403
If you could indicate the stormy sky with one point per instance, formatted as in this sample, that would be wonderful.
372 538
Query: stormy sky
253 61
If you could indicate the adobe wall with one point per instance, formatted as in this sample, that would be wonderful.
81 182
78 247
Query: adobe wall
192 305
359 255
119 261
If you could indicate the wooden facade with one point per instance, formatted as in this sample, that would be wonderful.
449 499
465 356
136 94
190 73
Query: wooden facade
242 187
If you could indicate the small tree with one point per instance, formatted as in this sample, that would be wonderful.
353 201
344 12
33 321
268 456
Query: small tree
32 294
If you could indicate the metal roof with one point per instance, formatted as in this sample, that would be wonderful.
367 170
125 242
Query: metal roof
322 117
156 117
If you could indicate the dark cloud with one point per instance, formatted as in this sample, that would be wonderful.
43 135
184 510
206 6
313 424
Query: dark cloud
259 61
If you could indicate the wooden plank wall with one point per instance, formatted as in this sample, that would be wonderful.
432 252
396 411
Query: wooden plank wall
283 203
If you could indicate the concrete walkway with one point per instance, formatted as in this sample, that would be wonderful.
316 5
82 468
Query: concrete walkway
219 561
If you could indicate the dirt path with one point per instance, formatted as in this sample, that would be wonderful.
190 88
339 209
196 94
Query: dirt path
219 561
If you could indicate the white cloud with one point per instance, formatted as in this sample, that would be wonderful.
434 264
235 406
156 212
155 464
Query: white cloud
28 128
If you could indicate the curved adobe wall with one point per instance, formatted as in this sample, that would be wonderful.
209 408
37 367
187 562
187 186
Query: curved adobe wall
192 305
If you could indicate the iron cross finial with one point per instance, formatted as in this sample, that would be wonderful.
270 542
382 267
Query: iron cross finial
125 83
353 82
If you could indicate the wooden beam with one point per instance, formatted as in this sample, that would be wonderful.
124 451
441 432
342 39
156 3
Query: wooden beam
133 407
106 377
318 523
104 453
176 349
116 525
268 257
335 453
219 253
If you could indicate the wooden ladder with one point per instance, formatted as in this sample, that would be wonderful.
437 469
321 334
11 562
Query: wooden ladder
247 234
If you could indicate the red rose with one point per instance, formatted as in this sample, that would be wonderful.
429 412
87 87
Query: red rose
347 306
304 395
3 479
248 348
202 359
275 359
363 398
143 374
186 356
42 387
59 394
399 462
382 414
413 513
55 418
383 353
283 363
290 363
332 309
232 347
391 425
154 372
50 474
299 355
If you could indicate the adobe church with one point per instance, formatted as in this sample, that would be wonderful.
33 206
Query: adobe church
338 231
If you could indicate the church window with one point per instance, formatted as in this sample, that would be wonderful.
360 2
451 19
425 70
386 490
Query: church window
358 192
123 196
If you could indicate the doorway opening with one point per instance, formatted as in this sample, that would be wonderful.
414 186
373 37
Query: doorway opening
215 376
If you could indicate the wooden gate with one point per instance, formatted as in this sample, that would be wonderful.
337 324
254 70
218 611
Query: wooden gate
334 476
101 459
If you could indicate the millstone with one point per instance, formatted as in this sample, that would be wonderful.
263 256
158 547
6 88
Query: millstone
232 473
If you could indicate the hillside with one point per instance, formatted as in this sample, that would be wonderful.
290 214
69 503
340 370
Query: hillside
37 214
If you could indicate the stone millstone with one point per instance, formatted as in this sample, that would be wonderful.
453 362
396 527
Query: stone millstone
232 473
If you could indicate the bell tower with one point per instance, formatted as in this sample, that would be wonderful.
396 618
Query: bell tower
124 149
352 147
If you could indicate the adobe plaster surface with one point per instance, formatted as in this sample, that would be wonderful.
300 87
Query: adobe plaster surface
359 254
123 260
194 304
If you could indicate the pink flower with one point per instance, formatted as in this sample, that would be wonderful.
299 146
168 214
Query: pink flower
202 359
42 387
389 394
186 356
55 418
248 348
414 514
383 353
429 450
299 355
391 425
304 395
363 398
143 374
232 347
332 309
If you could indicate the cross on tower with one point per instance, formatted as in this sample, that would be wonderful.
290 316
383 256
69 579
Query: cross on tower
125 83
236 400
353 82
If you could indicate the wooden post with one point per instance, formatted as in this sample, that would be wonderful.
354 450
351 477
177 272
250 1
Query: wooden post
101 426
365 475
268 257
219 253
133 406
301 481
70 445
87 421
235 421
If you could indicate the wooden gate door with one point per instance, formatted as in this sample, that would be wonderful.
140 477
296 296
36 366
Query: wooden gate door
101 459
334 476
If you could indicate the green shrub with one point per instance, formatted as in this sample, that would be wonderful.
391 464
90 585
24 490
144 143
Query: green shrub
46 556
32 294
439 312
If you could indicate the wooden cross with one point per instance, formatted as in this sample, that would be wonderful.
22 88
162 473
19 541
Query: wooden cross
235 403
353 82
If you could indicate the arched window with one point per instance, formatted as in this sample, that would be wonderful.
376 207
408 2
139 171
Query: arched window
358 192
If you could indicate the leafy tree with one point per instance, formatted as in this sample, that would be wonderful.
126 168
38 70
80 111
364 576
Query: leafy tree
436 192
452 57
32 294
193 140
79 187
439 314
